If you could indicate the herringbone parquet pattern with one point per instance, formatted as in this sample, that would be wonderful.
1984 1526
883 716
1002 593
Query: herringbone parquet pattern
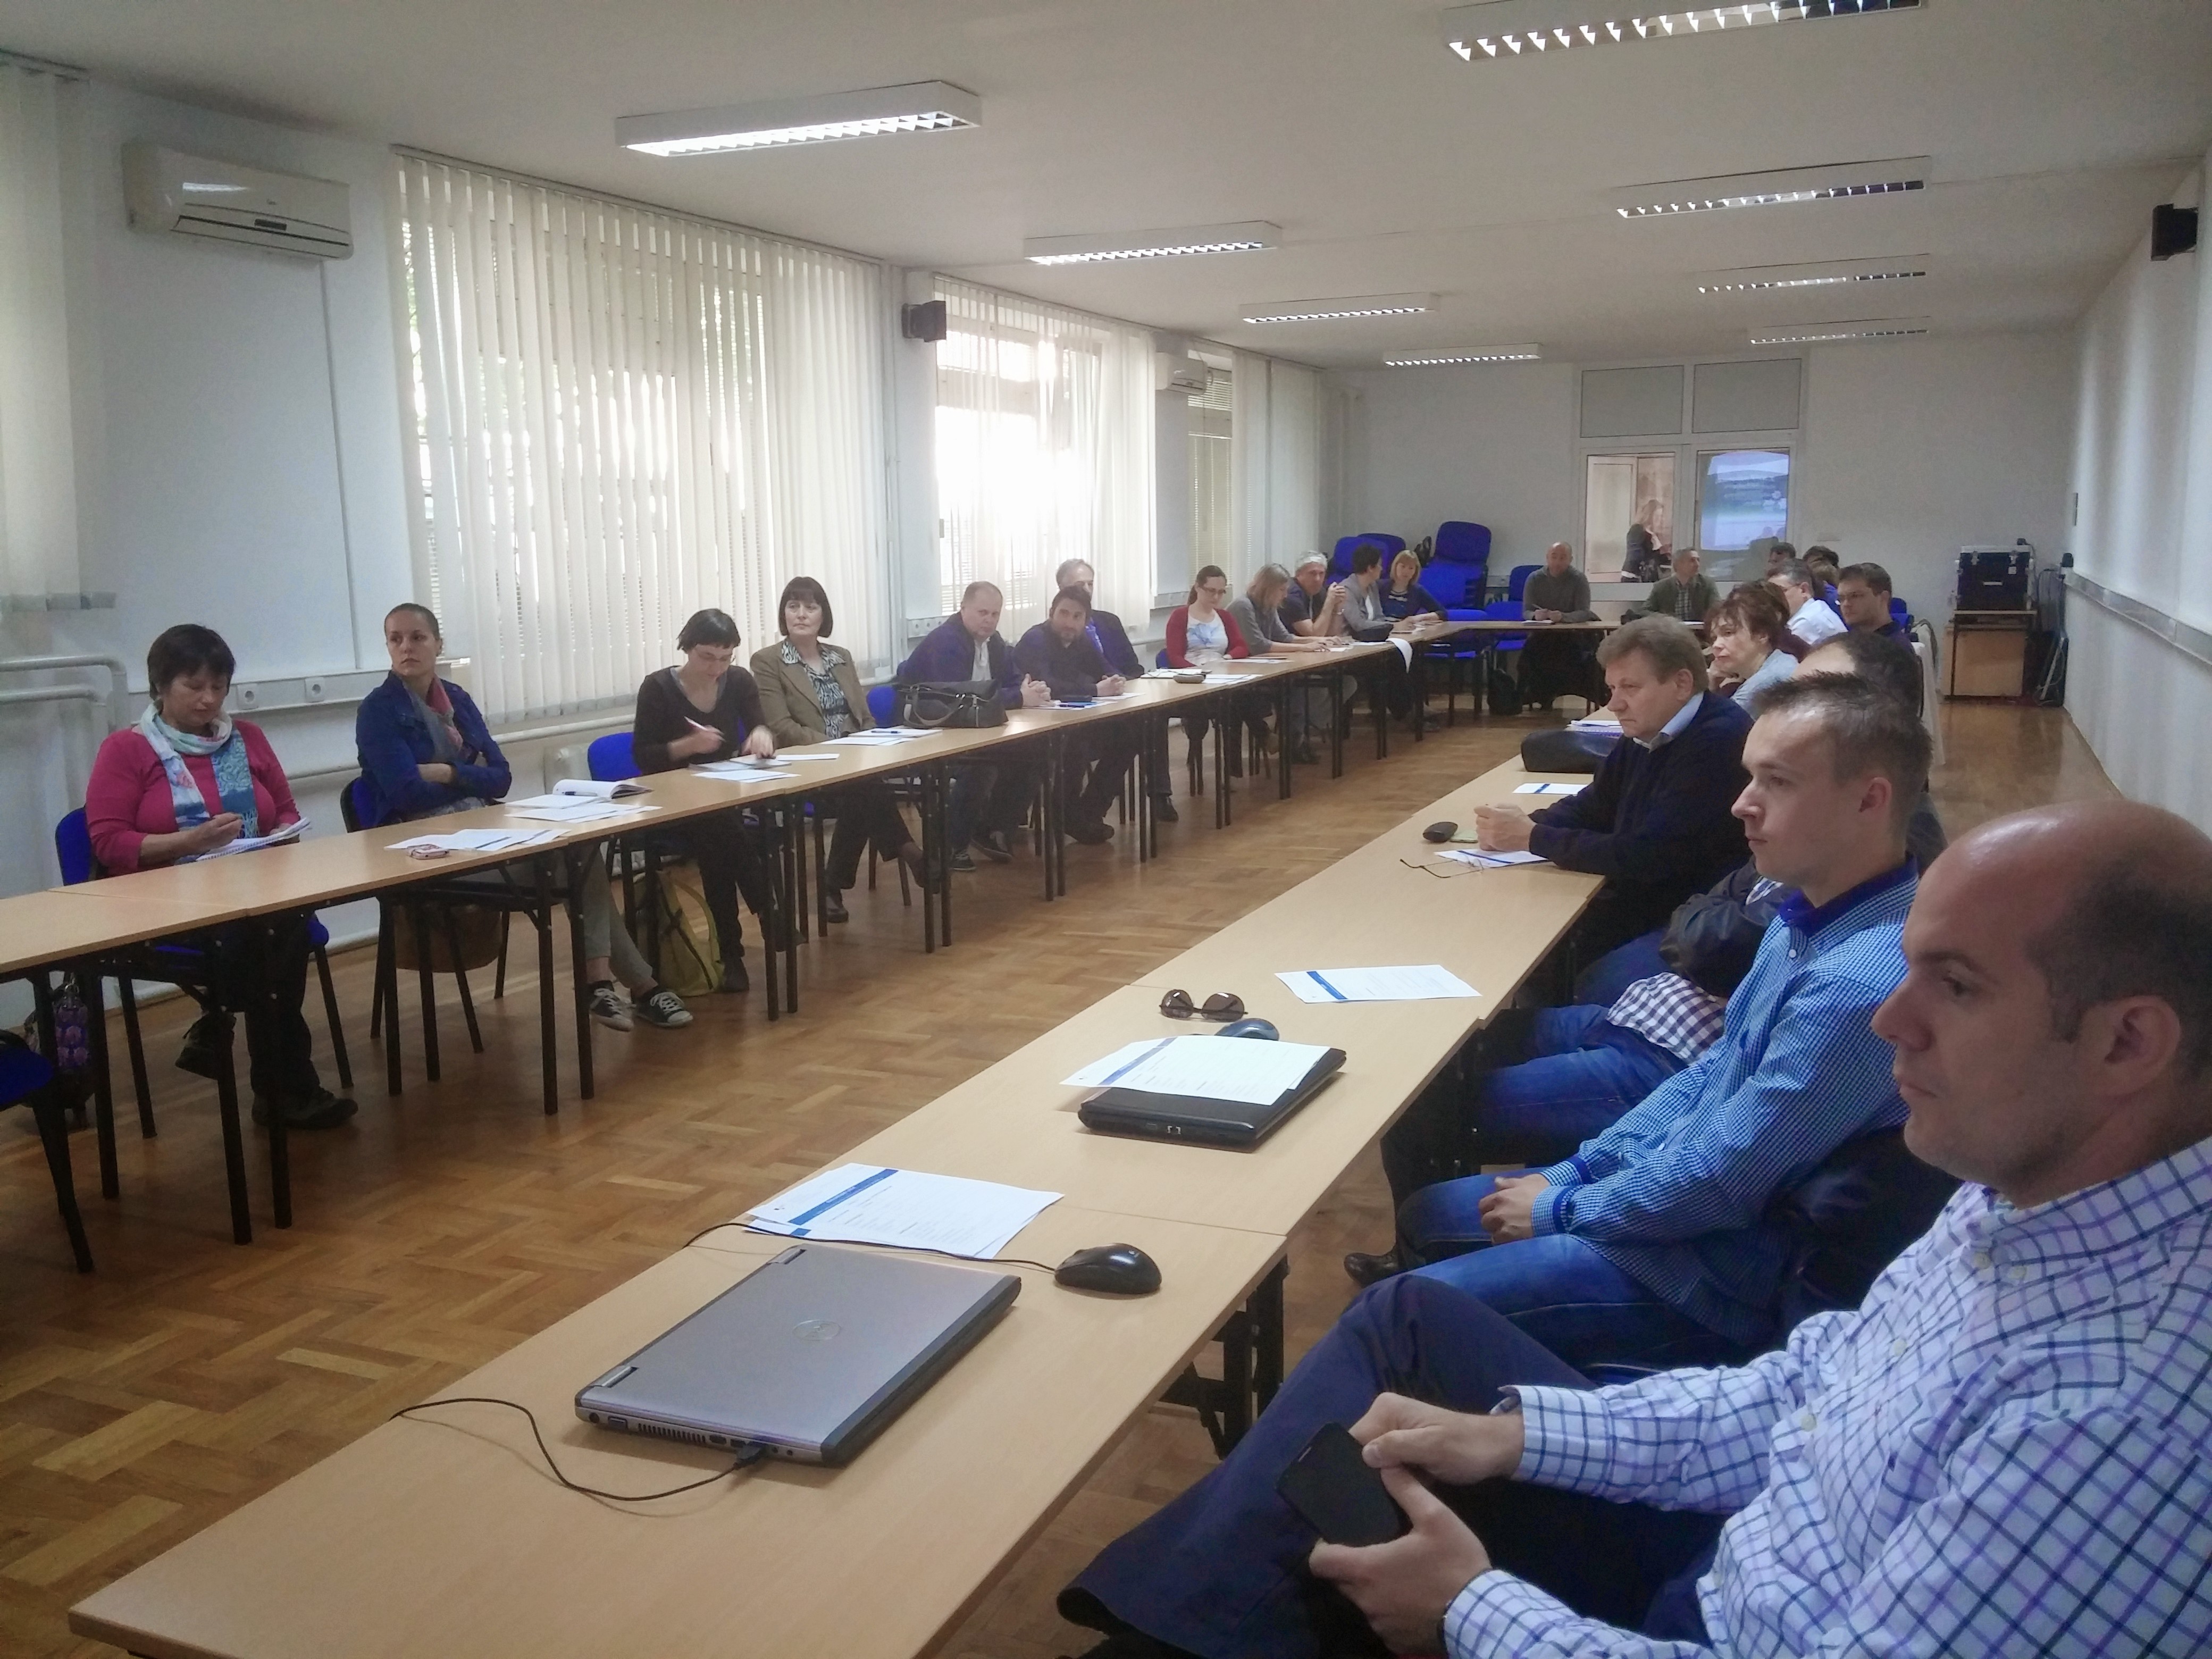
189 1375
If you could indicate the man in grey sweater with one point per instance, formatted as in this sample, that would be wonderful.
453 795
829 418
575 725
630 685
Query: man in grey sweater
1562 662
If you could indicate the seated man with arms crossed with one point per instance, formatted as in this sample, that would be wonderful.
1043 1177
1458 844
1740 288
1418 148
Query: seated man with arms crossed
965 649
1061 654
2002 1452
1655 823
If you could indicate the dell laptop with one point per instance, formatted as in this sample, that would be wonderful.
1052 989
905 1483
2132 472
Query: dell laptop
1198 1119
809 1356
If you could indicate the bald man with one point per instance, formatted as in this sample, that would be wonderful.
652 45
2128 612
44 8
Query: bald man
2003 1452
1553 664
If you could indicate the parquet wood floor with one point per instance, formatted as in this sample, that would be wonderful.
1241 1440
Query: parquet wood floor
189 1375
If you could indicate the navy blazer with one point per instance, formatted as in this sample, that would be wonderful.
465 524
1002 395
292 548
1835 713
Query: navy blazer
1113 642
1655 823
393 739
946 655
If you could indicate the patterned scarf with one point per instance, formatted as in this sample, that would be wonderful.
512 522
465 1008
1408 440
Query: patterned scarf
234 773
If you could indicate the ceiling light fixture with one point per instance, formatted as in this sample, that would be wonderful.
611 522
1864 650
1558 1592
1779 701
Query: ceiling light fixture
1516 28
1251 236
777 124
1839 273
1836 183
1318 311
1488 354
1873 328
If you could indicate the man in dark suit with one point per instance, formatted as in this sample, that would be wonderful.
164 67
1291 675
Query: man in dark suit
1113 641
1059 651
965 649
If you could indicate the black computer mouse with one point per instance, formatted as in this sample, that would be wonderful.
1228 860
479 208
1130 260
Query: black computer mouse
1442 829
1263 1029
1116 1269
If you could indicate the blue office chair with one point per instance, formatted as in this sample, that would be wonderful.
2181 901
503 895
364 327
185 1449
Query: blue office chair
1339 563
1466 546
26 1078
1517 581
184 966
611 758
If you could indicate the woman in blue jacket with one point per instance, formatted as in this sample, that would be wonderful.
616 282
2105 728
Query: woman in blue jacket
426 752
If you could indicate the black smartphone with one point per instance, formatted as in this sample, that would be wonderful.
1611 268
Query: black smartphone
1341 1498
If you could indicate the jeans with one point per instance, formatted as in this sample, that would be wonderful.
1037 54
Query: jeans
987 798
1576 1074
1604 980
1220 1571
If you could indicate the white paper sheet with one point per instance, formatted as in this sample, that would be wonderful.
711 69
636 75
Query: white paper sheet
1491 861
621 789
1595 723
868 1204
276 837
575 809
1211 1067
742 771
479 841
1424 983
1550 788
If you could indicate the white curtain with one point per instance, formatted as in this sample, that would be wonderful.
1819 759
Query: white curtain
38 467
624 416
1274 448
1044 452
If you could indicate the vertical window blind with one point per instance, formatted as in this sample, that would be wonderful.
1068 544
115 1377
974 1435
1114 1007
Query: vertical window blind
1212 520
623 415
1044 452
1275 461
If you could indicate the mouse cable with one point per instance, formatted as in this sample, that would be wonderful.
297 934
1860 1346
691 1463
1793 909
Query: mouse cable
917 1250
746 1458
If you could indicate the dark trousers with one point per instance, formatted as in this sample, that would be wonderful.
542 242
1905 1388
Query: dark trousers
989 798
867 815
1604 980
259 968
1093 765
1558 664
728 852
1220 1571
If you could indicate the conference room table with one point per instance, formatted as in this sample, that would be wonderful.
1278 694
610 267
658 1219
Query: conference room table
885 1557
1486 631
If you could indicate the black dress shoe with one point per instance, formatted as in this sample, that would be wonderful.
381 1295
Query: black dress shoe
734 977
203 1045
1163 809
1363 1269
320 1110
833 907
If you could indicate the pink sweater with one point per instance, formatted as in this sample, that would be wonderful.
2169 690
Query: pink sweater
128 798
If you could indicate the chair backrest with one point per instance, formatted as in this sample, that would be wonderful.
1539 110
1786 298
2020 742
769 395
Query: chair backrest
882 704
1160 659
1339 563
73 848
1850 1219
354 804
611 758
1448 583
1518 579
1459 542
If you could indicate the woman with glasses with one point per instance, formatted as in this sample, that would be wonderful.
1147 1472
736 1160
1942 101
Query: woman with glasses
707 708
1200 633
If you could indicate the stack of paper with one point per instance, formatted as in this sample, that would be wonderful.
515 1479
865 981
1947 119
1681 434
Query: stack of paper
276 837
883 735
1550 788
1240 1069
743 771
1420 984
1595 723
478 841
559 808
867 1204
1491 861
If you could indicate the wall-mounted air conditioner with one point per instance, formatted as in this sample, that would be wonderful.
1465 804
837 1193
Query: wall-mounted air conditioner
192 196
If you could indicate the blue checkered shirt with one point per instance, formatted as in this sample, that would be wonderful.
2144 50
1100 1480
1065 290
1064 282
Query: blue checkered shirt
2007 1450
1675 1193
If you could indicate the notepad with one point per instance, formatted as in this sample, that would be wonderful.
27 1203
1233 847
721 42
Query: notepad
1424 983
1210 1068
477 841
868 1204
620 789
1490 860
743 771
276 837
1550 788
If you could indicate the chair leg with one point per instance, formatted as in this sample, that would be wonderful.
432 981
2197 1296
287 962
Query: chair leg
499 983
906 888
388 991
872 871
461 980
330 1013
53 1132
427 984
127 995
234 1145
103 1077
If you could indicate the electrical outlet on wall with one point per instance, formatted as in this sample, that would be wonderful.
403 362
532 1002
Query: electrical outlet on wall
248 696
312 685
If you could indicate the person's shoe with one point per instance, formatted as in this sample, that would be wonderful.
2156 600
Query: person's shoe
1091 831
203 1045
1306 755
735 979
320 1110
992 844
833 907
664 1008
1163 809
961 864
1363 1269
610 1009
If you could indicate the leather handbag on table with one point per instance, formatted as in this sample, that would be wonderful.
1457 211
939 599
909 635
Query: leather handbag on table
963 705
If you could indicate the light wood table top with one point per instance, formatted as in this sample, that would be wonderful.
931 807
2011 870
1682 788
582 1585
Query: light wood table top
61 923
448 1536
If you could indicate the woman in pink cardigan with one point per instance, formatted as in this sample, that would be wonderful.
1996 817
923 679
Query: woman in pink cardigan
182 782
1200 633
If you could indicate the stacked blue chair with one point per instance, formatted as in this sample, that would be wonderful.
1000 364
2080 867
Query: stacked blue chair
1339 563
1464 547
1517 581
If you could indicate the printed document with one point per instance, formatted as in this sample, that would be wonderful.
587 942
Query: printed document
867 1204
276 837
1490 860
1421 984
1240 1069
478 841
1550 788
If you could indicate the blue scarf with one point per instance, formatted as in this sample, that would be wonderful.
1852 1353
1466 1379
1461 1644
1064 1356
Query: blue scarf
234 773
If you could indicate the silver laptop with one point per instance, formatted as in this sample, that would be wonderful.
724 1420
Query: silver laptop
810 1355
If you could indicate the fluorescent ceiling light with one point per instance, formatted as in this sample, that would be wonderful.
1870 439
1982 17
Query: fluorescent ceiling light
1247 237
1516 28
1830 274
1317 311
1872 328
1486 354
1835 183
923 106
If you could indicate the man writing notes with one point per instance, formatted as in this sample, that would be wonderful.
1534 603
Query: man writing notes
1655 822
1058 652
2002 1452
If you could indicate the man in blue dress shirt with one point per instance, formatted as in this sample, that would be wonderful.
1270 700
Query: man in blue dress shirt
2003 1452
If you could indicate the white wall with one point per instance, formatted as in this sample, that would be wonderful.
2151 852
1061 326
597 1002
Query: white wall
2143 468
1915 448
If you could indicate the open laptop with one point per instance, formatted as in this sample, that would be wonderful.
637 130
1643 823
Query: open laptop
810 1355
1198 1119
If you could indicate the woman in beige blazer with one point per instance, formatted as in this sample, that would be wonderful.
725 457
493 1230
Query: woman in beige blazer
809 692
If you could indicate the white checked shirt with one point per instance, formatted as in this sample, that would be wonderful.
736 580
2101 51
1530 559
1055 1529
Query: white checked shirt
1669 1010
2007 1451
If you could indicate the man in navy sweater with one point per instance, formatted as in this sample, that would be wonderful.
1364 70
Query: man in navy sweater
1655 823
965 649
1114 644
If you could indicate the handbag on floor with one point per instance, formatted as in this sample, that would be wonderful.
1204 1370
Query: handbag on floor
688 954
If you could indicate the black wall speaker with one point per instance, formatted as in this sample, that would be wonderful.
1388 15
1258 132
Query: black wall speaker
926 322
2172 230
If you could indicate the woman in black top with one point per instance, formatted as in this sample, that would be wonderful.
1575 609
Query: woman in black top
705 709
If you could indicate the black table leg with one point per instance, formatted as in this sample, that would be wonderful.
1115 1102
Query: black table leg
794 915
1418 675
387 975
1225 737
1267 1310
549 1063
420 929
589 864
935 871
234 1145
103 1088
1285 684
1336 726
